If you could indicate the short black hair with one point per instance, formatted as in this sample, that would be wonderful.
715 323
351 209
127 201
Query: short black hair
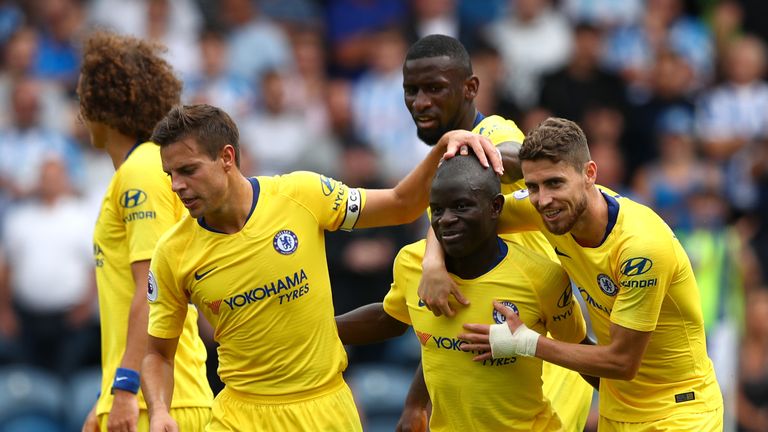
468 167
437 45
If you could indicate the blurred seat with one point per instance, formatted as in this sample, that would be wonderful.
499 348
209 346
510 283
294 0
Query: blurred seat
380 390
30 400
81 392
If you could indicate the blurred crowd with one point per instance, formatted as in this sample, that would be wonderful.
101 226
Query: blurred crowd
671 93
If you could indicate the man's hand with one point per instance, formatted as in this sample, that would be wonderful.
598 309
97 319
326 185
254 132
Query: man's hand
161 421
124 415
435 287
436 284
91 421
413 419
500 340
459 142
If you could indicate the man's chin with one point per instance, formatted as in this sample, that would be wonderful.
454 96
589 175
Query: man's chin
429 137
557 229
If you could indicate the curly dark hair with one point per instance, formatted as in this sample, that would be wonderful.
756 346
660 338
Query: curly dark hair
125 84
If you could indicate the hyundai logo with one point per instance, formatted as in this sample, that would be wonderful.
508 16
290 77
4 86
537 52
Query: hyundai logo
636 266
133 198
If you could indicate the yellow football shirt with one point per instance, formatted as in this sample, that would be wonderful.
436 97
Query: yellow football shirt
265 289
639 278
498 394
138 207
570 395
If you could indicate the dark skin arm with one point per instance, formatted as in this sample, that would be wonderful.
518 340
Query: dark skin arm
511 162
368 324
414 416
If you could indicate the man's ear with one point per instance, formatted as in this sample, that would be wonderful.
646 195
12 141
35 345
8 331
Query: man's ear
496 205
227 155
471 85
590 172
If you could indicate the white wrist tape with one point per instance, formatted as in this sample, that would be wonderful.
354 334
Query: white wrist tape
504 343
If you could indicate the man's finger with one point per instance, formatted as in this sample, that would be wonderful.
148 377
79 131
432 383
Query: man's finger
482 357
474 338
478 328
459 296
478 346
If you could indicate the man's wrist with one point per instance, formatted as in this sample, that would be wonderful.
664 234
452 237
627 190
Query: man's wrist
127 380
505 343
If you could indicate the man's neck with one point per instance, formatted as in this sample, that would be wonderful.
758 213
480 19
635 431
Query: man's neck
589 230
477 263
232 215
467 121
118 145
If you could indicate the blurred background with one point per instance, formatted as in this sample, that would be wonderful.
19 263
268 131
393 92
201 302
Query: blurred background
671 93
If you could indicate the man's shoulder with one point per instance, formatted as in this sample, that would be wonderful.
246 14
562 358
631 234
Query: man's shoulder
179 235
499 130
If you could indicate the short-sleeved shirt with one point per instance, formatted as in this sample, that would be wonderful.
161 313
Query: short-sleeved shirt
640 278
497 394
265 289
138 207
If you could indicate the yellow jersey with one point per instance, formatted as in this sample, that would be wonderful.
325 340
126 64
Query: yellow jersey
497 394
639 278
265 289
138 207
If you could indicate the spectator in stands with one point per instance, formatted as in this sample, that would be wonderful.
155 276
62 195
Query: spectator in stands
47 301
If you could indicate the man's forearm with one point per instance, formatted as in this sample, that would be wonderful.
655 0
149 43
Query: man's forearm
592 360
136 338
368 324
418 396
157 382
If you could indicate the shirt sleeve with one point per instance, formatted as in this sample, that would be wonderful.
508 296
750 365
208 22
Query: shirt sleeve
644 275
334 204
147 207
395 302
562 312
519 214
499 130
167 300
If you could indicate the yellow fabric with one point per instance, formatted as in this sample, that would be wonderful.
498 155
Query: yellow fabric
639 278
334 411
570 395
188 419
138 207
265 290
500 394
711 421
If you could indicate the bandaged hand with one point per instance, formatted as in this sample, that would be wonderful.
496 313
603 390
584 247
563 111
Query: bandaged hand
505 343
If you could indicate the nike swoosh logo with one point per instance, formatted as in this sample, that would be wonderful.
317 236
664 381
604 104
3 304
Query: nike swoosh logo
199 276
558 253
121 378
